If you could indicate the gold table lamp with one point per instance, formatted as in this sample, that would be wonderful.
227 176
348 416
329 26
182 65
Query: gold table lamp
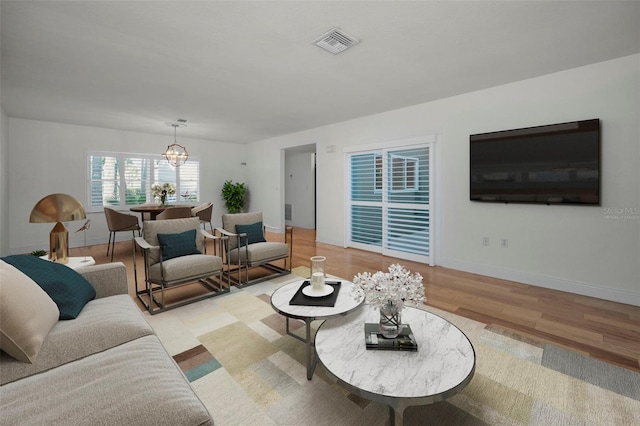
58 208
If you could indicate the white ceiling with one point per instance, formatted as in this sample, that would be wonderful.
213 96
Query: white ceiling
243 71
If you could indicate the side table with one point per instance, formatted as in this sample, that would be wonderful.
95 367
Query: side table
345 303
76 262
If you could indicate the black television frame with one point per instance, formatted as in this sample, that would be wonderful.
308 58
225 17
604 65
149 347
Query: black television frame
500 173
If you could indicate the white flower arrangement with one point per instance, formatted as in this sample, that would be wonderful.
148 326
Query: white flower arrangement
165 189
397 286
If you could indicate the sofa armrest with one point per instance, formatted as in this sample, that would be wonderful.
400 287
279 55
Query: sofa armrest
107 279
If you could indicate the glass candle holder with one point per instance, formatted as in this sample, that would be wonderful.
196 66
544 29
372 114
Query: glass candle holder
318 273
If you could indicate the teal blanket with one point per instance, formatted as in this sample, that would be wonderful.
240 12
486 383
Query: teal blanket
70 290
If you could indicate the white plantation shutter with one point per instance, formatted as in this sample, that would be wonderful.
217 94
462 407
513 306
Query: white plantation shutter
104 181
165 173
122 180
406 202
137 180
366 199
390 202
189 178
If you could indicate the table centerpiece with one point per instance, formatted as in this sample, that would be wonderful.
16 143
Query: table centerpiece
388 292
162 191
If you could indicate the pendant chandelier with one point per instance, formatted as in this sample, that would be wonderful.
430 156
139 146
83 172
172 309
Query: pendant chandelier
176 154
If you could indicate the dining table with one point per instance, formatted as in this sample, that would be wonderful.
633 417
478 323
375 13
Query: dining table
154 210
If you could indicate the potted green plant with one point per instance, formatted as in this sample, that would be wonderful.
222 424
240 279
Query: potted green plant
234 194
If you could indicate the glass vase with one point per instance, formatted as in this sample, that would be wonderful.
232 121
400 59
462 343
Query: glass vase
163 199
390 320
318 273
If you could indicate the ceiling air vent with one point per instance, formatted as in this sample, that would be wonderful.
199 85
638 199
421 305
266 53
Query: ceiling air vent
335 41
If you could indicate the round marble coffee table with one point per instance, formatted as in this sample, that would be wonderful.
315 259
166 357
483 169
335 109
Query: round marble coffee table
443 365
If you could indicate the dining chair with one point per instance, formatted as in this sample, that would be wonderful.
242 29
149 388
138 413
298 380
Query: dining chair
204 211
178 212
119 222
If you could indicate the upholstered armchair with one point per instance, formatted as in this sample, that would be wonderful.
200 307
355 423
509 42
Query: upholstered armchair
173 257
246 247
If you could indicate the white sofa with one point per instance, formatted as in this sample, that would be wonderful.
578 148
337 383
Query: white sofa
104 367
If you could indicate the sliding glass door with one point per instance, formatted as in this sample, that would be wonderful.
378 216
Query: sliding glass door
389 202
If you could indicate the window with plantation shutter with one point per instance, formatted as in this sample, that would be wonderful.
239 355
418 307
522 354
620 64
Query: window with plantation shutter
122 180
389 202
137 177
190 181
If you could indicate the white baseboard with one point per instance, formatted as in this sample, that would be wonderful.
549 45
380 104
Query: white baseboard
561 284
330 241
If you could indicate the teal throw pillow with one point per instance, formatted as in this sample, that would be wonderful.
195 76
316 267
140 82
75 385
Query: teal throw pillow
70 290
176 245
254 233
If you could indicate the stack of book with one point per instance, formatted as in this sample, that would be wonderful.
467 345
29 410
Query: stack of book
403 342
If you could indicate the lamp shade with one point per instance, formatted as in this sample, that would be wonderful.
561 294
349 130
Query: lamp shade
57 208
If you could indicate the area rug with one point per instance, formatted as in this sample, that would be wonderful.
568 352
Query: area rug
248 371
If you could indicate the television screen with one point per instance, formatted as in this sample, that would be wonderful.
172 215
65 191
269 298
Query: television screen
552 164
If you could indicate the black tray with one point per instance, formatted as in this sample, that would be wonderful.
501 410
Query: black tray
329 300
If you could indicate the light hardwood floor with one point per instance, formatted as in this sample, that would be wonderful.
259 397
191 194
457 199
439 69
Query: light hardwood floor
601 329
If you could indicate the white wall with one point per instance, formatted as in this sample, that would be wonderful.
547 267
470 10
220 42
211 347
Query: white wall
47 157
299 188
580 249
4 183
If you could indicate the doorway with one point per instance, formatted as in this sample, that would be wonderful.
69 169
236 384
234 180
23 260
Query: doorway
300 186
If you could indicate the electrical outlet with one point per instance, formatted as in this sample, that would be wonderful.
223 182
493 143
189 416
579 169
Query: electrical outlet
485 241
504 243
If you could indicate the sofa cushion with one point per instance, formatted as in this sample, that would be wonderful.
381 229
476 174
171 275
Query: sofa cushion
180 244
254 231
260 252
65 286
27 314
180 268
135 383
102 324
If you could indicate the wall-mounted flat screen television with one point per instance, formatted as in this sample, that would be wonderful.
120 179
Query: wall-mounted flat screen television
552 164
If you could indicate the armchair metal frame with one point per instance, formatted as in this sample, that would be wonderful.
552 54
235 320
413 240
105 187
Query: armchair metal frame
159 285
243 259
